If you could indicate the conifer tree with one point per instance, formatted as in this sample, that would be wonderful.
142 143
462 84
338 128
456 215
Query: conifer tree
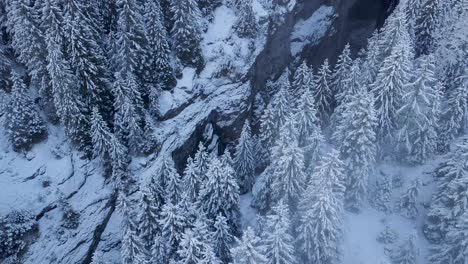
70 104
448 202
158 48
201 163
353 84
408 201
274 117
388 90
342 68
244 160
191 180
394 33
322 92
130 58
278 241
455 110
222 239
186 33
220 195
302 82
455 247
132 249
288 168
173 222
87 59
246 25
309 133
330 171
419 114
148 218
23 123
209 256
382 195
425 25
169 182
319 229
358 146
249 249
101 136
190 249
408 252
128 112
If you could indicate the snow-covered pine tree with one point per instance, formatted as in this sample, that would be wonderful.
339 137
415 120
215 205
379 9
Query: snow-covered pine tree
455 247
273 119
87 59
69 102
319 229
244 160
173 222
190 248
381 197
246 25
158 51
358 146
148 225
322 92
201 162
408 252
186 33
101 136
249 249
388 90
353 84
302 82
169 181
455 105
159 254
407 202
394 32
28 42
448 202
419 115
278 242
310 136
191 180
130 57
342 70
132 249
128 112
425 25
288 167
23 123
329 171
220 195
209 256
222 239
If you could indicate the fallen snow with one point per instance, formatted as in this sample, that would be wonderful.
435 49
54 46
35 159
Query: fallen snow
312 29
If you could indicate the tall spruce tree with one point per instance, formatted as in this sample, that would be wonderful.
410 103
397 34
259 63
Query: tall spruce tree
358 147
322 92
220 195
449 201
246 25
279 248
222 239
87 59
101 137
23 125
173 222
186 33
408 201
418 116
342 69
158 48
249 249
69 102
302 82
244 160
191 180
388 90
148 219
455 247
425 25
